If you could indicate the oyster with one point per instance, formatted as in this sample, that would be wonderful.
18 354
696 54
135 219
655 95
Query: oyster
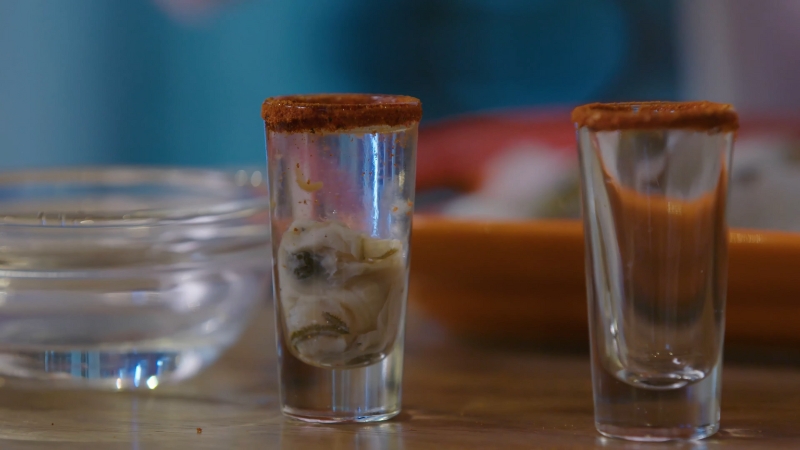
340 292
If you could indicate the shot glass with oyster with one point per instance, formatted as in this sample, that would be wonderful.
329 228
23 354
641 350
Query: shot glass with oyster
341 176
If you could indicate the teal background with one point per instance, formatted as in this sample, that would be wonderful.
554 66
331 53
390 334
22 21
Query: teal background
111 81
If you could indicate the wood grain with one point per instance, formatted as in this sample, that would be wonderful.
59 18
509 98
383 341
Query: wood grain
457 396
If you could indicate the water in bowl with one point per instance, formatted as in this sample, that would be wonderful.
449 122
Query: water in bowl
105 284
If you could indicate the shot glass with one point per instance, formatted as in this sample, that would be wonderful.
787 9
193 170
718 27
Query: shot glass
341 170
654 186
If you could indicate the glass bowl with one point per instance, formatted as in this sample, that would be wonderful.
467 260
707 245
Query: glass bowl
123 278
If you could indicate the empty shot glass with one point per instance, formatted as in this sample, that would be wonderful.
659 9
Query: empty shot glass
654 185
341 171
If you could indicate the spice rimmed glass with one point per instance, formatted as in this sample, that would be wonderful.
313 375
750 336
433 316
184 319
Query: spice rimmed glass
341 173
654 182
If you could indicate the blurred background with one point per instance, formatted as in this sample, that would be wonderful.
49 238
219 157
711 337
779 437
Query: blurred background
181 81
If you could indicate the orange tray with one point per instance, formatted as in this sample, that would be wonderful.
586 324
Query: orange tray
525 282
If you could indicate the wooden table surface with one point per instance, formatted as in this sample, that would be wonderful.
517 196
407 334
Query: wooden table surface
456 396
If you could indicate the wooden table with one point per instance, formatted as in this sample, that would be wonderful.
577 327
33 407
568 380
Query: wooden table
457 396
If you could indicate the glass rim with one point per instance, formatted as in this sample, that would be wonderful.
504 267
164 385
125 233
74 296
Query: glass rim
338 112
697 115
243 202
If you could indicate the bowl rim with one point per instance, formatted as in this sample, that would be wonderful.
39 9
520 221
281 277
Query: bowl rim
244 201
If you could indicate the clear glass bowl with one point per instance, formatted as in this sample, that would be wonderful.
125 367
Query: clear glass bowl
123 278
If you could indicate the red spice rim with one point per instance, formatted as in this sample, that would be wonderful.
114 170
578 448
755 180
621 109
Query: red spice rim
702 115
335 112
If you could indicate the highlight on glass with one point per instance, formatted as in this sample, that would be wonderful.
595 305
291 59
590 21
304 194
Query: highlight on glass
655 185
341 170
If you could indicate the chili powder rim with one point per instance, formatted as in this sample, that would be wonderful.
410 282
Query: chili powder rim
336 112
698 115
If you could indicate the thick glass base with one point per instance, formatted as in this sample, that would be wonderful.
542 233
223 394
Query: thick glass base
651 434
362 394
687 411
337 417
